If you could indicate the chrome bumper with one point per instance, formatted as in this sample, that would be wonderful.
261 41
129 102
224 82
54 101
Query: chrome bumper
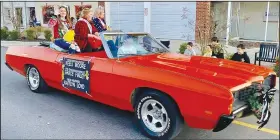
225 120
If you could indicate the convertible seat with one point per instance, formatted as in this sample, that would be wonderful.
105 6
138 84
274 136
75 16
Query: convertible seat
112 47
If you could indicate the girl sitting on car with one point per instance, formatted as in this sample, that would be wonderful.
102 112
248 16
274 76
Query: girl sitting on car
98 20
86 35
60 26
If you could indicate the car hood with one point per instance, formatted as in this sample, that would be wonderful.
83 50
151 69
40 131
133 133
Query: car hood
230 74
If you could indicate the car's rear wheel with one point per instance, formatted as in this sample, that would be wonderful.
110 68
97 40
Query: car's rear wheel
34 80
157 116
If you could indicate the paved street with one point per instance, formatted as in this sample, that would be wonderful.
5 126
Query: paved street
58 115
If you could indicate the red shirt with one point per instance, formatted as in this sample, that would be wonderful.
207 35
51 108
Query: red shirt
81 33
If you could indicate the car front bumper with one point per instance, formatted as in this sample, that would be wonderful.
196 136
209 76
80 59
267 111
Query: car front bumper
225 120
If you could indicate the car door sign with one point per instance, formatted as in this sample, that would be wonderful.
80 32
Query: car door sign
75 74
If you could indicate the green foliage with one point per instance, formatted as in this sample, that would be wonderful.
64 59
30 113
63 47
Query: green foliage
39 29
5 27
4 33
31 33
255 101
14 35
48 34
183 47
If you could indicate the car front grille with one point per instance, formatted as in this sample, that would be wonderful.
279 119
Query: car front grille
241 96
244 93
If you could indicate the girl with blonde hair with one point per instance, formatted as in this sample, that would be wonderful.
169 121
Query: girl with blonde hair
98 19
85 32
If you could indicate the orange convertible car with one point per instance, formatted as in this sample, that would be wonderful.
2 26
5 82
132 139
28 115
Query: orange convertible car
135 72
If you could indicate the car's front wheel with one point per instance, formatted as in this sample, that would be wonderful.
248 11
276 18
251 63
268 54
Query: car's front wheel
34 80
157 116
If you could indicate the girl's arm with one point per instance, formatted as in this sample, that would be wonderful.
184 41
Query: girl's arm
53 23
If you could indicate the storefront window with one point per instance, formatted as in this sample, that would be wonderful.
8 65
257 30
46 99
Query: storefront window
48 12
79 8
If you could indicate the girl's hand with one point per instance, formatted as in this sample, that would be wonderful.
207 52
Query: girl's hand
96 33
90 35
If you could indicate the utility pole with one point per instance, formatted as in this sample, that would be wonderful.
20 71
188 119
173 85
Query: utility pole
266 23
228 22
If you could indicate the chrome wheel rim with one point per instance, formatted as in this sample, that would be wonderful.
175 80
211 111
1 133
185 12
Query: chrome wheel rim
33 78
154 115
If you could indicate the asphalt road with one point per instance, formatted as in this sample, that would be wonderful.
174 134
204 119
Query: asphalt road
58 115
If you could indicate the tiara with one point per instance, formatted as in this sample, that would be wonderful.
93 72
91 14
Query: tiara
63 6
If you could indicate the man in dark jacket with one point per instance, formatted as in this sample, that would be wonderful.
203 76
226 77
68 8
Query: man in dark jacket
241 55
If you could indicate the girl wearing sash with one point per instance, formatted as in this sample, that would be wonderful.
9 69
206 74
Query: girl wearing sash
60 26
86 35
98 20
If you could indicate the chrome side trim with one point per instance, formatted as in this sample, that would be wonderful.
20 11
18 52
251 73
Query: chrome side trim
240 109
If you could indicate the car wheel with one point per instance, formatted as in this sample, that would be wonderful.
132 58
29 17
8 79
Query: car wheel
34 80
157 116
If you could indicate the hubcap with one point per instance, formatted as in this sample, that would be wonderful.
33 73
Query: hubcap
154 115
33 78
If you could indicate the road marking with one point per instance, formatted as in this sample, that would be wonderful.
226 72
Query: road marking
256 127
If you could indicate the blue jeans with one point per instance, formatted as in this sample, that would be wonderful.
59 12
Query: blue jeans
64 45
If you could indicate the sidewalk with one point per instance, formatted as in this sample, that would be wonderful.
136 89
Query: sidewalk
19 43
174 48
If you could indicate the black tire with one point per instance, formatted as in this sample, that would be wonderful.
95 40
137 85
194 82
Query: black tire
174 123
42 86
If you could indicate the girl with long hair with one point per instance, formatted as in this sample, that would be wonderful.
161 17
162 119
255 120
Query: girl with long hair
60 26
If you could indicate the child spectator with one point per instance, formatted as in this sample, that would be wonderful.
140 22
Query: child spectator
189 51
241 55
208 51
217 50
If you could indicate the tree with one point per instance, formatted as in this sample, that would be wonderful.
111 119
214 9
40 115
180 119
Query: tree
16 19
212 26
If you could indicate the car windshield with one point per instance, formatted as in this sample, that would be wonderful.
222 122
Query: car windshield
126 45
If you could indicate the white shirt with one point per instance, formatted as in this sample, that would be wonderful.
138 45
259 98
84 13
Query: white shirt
189 52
